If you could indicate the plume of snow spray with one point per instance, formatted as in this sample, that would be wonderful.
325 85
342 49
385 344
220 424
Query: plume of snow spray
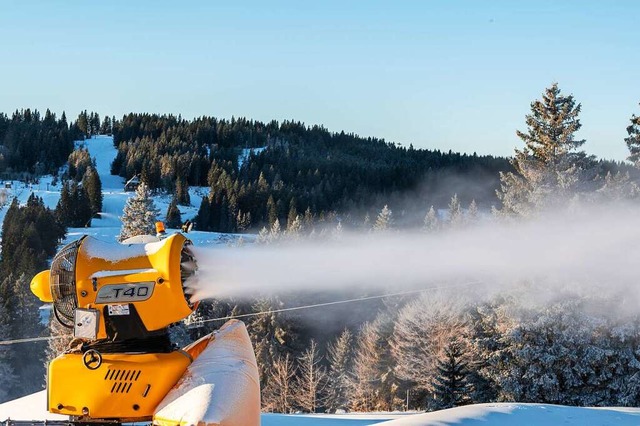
600 246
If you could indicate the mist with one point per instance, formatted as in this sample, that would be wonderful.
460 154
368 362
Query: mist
580 251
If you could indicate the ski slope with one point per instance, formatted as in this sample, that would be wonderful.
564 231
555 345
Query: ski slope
107 227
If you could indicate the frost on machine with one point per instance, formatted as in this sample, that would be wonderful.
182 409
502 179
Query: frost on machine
120 299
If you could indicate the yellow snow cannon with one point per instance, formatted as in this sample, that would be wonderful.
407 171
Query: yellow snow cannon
119 299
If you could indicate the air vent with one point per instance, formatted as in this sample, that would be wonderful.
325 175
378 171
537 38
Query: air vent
122 379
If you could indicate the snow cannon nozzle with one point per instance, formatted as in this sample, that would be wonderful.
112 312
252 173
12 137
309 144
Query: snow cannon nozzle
119 291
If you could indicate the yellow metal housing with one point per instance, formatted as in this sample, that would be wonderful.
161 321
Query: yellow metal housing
99 264
41 288
125 386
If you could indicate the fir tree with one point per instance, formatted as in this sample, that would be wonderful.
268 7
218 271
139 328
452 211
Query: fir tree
182 192
455 212
633 141
548 169
431 221
293 213
272 211
384 220
472 213
450 385
340 358
6 370
93 187
173 218
140 214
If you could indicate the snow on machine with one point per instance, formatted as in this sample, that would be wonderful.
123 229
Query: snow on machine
120 299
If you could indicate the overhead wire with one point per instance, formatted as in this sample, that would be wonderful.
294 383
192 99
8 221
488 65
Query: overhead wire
277 311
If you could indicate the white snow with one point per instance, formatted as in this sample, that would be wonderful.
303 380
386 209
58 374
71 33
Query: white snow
507 414
220 387
32 407
106 274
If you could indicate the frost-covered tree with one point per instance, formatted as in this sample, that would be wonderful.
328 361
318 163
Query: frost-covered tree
384 221
311 381
550 166
633 141
618 187
423 329
294 228
62 336
455 212
140 214
340 358
563 353
375 386
431 222
450 383
472 213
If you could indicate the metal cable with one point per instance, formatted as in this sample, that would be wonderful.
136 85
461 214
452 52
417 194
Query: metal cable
276 311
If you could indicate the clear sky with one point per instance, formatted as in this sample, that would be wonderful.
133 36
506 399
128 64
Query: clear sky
454 75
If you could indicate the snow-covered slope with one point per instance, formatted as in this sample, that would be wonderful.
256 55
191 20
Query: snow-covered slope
31 407
507 414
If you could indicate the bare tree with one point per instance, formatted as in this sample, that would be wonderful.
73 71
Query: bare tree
310 384
278 394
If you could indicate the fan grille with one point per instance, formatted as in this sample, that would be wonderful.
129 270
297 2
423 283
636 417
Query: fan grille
63 283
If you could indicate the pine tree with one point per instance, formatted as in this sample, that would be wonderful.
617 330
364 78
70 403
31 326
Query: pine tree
182 192
6 370
340 358
272 211
294 228
173 218
293 213
472 213
548 170
140 214
618 187
633 141
24 320
243 221
455 212
384 220
93 186
431 221
450 385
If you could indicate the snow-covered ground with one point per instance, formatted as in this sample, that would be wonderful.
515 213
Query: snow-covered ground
31 407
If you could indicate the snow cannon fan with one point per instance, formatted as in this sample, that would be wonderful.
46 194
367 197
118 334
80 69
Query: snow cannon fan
119 299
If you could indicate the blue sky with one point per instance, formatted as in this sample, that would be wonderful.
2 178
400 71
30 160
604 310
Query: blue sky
454 75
